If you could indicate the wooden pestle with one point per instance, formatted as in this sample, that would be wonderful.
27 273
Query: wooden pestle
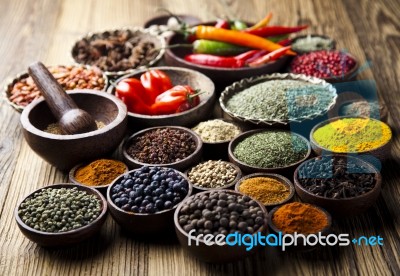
72 120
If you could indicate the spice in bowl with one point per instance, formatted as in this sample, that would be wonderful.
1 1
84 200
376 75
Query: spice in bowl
212 174
220 212
336 177
161 146
362 108
117 50
358 135
59 210
311 43
323 64
267 190
149 190
54 128
99 172
271 149
300 218
23 91
216 131
281 100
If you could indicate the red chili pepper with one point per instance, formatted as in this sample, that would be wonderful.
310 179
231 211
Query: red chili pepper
222 23
275 30
132 92
155 82
269 57
285 42
177 99
220 61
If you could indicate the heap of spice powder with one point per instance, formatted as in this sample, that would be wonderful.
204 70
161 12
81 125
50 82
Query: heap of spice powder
353 135
301 218
55 128
217 130
336 177
162 146
100 172
267 190
271 149
281 100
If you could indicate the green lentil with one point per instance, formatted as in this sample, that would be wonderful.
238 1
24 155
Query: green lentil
271 149
59 210
281 100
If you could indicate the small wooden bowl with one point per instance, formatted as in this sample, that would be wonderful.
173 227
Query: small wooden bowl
48 239
178 76
333 44
181 165
65 151
300 243
101 188
278 177
343 207
221 76
144 224
215 253
248 169
381 153
229 185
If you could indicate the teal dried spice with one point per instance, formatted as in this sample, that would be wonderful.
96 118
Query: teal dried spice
271 149
281 100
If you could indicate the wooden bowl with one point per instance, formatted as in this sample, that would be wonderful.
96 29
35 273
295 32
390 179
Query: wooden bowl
346 206
350 75
48 239
238 87
10 84
333 44
144 225
248 169
221 76
278 177
189 117
65 151
181 165
101 188
227 186
381 153
300 241
148 35
215 253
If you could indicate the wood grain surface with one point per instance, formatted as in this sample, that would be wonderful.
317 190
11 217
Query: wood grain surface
46 30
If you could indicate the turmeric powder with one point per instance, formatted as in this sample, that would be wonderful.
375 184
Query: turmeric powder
100 172
353 135
267 190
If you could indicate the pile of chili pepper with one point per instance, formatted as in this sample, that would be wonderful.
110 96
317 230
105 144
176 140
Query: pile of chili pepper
232 44
154 94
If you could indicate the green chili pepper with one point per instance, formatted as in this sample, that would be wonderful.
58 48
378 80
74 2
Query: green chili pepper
277 38
238 25
203 46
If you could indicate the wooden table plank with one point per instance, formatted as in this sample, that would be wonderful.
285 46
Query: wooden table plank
46 30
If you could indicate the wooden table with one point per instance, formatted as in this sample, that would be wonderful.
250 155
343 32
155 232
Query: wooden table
46 30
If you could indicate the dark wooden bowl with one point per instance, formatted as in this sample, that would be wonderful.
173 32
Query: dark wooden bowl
300 242
311 35
248 122
278 177
215 253
144 225
163 20
189 117
67 238
381 153
181 165
197 189
350 75
100 188
248 169
221 76
65 151
346 206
